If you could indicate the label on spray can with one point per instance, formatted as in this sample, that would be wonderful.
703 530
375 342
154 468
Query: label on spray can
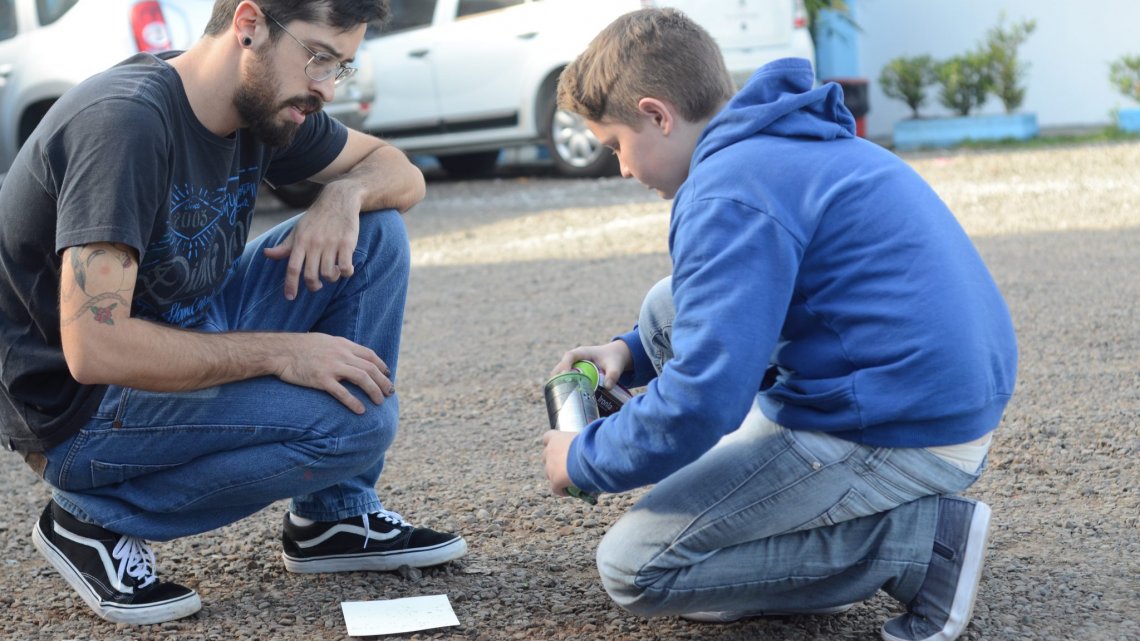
570 403
609 400
570 406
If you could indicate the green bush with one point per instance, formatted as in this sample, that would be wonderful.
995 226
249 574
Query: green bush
905 78
1124 74
1006 72
965 82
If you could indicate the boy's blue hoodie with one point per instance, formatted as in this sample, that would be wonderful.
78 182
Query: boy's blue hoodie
820 270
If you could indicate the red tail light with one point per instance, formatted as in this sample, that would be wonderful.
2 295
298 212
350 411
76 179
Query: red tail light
800 17
149 27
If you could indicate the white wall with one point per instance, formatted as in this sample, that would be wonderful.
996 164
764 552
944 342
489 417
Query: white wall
1069 52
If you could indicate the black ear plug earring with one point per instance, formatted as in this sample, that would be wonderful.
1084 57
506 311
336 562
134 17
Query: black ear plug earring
246 41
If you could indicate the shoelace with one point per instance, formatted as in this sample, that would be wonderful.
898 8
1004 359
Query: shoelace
136 560
387 515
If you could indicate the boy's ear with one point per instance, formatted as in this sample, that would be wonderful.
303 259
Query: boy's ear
658 113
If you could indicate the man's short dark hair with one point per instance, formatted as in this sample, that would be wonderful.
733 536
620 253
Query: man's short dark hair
338 14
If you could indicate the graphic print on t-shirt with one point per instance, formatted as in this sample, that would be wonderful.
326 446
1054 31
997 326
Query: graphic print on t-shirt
196 249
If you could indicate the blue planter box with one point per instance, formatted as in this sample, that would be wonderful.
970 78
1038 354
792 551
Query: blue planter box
947 132
1128 120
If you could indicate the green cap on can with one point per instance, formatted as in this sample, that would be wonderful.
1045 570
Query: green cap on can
590 370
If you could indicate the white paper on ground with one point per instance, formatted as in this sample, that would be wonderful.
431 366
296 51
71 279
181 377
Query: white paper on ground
393 616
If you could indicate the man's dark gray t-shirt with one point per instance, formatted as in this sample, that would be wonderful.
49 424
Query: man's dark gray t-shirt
122 158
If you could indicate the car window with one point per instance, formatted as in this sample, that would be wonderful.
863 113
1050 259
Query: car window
405 15
472 7
51 10
7 19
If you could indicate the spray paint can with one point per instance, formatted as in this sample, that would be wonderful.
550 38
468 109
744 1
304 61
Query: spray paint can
609 400
570 406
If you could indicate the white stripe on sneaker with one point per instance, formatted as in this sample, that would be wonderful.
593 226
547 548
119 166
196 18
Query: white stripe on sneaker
108 565
348 529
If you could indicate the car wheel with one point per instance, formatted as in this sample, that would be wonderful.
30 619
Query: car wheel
573 147
298 195
472 165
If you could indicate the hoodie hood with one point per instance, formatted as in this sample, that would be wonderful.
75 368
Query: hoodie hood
779 100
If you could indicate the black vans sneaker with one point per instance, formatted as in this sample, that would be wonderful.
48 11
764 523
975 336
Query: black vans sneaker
382 541
113 573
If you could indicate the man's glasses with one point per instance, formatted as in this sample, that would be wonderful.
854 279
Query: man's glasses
322 65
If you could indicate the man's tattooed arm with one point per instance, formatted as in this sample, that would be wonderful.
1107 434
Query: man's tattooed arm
97 282
103 345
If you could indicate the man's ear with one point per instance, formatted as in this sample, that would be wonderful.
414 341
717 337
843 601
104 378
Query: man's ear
245 21
658 113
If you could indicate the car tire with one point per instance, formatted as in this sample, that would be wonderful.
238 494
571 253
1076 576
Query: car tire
573 148
299 195
472 165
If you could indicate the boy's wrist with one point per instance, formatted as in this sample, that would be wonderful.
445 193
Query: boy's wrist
640 370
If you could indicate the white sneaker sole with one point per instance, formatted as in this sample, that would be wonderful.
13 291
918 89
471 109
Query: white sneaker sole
730 616
149 613
378 562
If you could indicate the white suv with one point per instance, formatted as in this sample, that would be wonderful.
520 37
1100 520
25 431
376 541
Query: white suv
462 79
49 46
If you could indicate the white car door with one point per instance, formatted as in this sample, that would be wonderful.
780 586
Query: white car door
742 25
751 33
482 40
402 66
10 27
15 17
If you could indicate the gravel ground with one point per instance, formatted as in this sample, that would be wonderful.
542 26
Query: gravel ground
508 273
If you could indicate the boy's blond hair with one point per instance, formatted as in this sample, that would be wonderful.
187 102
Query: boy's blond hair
659 53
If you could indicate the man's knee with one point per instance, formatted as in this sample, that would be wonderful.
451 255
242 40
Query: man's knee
382 233
358 441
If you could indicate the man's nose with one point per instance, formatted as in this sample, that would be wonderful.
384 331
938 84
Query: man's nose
324 89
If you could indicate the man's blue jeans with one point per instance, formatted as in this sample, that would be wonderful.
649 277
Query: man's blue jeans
773 519
166 465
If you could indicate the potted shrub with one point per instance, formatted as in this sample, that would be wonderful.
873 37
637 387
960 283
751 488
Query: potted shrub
1006 72
1124 74
965 82
906 78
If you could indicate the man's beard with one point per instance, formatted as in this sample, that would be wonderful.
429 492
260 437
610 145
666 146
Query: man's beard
256 103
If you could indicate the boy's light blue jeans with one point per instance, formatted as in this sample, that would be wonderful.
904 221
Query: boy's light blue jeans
773 519
165 465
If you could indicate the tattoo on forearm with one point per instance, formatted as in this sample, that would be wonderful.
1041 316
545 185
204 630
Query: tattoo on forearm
103 314
100 284
77 267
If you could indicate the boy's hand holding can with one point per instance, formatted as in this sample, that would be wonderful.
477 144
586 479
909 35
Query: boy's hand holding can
556 447
576 394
